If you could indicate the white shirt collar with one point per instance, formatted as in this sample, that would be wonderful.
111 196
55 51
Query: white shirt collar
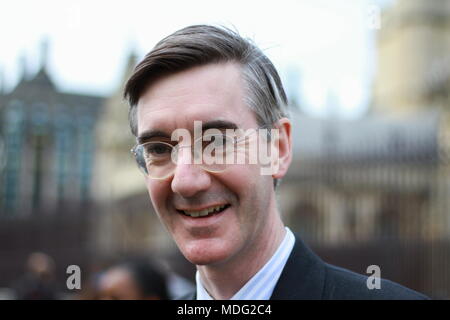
262 284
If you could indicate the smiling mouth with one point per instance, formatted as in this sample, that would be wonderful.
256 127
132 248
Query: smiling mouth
205 212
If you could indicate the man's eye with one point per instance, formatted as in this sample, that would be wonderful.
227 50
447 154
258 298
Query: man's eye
157 150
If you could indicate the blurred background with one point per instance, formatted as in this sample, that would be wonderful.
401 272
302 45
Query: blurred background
368 82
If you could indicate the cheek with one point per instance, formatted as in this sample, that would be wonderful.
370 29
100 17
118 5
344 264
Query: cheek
242 180
252 188
158 192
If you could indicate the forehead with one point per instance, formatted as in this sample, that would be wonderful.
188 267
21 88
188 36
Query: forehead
205 93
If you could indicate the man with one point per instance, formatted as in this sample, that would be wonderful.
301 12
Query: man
224 218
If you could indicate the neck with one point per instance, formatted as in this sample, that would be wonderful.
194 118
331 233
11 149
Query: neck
224 280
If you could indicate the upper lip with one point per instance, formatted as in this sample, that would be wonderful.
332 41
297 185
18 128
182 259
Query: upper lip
200 208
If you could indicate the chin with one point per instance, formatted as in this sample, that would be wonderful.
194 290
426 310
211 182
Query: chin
201 253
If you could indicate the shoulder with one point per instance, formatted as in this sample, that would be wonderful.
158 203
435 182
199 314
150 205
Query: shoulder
344 284
306 276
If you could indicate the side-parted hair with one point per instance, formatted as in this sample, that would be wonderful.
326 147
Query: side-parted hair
199 45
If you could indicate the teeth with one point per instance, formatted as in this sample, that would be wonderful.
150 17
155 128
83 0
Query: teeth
204 212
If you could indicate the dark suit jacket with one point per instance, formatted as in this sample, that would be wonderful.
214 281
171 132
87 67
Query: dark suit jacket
306 277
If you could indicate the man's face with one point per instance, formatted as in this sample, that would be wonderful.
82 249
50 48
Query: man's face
207 93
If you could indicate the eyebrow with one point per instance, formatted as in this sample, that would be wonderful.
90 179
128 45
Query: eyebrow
214 124
219 124
149 134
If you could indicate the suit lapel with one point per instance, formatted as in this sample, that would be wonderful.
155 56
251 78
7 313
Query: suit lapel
303 276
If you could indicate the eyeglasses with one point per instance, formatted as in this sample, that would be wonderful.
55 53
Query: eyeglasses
212 152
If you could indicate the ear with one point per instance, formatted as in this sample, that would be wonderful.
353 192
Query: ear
283 142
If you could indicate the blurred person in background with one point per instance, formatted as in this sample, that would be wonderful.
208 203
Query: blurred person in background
136 279
38 282
225 218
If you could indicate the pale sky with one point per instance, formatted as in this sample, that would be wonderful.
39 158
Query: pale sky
322 48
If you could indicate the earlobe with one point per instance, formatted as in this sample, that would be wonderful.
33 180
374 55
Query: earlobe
283 144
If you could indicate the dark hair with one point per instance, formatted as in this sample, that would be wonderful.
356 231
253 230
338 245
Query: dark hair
204 44
150 280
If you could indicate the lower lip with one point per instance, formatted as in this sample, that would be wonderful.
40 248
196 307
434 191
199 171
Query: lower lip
211 218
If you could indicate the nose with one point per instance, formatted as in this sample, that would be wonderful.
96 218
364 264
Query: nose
189 179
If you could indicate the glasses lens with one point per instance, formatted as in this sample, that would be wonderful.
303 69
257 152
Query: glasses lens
217 151
213 152
154 159
138 155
